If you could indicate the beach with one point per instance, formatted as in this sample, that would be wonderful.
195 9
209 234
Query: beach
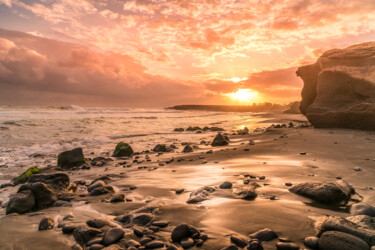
275 160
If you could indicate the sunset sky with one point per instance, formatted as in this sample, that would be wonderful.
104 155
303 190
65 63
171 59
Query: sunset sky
157 53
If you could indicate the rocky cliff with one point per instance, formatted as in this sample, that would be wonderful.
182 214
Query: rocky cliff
339 89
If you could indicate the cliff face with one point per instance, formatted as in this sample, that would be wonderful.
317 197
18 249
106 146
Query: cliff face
339 89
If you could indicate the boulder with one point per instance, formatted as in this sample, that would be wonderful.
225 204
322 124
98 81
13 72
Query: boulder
47 223
44 195
59 181
338 240
200 194
122 149
226 185
180 232
360 226
324 192
113 235
22 202
187 149
24 177
82 234
339 89
72 158
220 140
265 234
247 193
160 148
142 219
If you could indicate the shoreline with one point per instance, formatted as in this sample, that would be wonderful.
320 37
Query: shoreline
329 153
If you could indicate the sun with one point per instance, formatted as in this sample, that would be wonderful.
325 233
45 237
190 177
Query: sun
244 95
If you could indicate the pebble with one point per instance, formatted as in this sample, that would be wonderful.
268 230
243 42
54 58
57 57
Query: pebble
238 241
226 185
264 235
311 241
187 243
357 169
180 232
155 244
47 223
179 191
287 246
112 236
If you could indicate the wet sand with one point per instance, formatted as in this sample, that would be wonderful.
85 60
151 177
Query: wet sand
330 153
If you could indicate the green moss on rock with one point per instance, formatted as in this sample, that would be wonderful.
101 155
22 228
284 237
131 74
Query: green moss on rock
24 177
122 149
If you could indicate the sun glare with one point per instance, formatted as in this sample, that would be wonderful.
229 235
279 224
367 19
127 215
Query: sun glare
244 95
237 79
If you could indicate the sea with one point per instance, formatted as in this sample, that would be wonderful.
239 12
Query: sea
35 135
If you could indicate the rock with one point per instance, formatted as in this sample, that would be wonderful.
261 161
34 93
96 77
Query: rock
200 194
338 240
113 235
68 228
22 202
102 190
155 244
142 219
187 149
179 130
82 234
96 247
247 193
311 242
324 192
238 241
226 185
96 185
362 209
255 244
361 226
47 223
24 177
160 148
220 140
357 169
179 191
173 247
187 243
160 223
126 218
264 235
287 246
118 198
339 89
44 195
59 181
97 223
76 247
180 232
195 128
69 159
133 243
115 247
230 247
122 149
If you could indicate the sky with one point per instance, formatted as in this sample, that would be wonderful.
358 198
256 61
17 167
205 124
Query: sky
158 53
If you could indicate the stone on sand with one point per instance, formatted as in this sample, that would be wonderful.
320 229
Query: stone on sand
220 140
226 185
47 223
338 240
59 181
142 219
113 235
21 202
72 158
44 195
82 234
122 149
180 232
265 234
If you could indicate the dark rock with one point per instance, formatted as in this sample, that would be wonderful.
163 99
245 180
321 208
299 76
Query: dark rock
9 184
138 232
126 218
247 193
118 198
311 242
44 195
113 235
187 243
77 247
145 240
122 149
82 234
230 247
220 140
179 130
59 181
362 209
68 228
22 202
339 88
97 223
26 175
264 235
47 223
102 190
287 246
238 241
179 191
142 219
160 148
160 223
133 243
97 240
96 247
338 240
226 185
187 149
326 192
180 232
255 244
200 194
69 159
95 185
155 244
